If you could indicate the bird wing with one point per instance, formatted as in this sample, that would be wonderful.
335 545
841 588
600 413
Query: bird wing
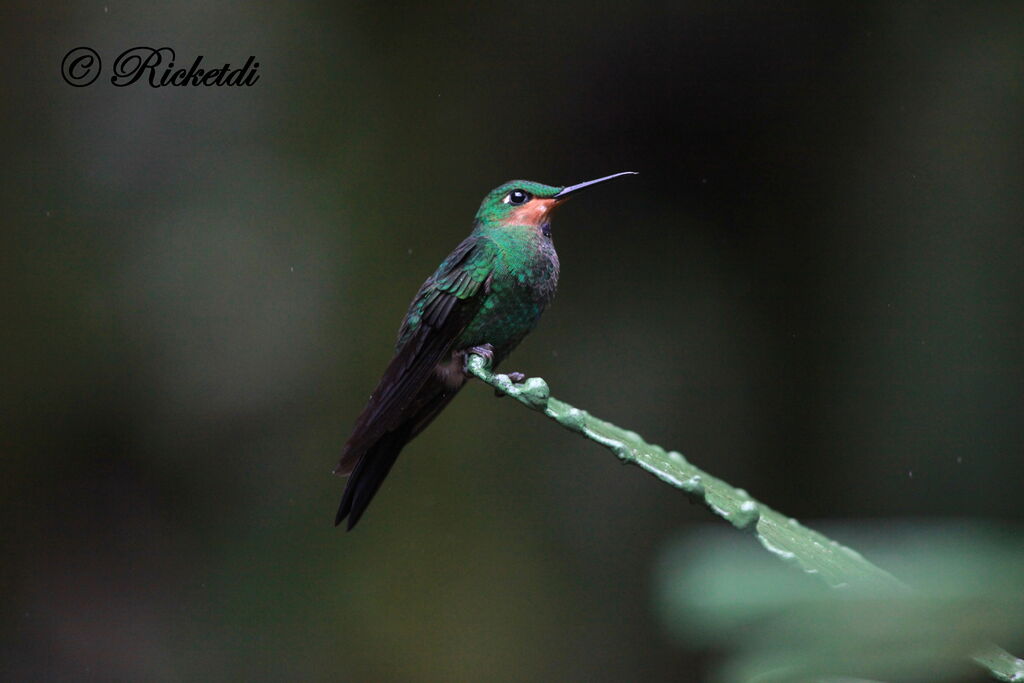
440 311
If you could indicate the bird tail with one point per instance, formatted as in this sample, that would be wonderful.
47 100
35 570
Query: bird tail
370 471
367 466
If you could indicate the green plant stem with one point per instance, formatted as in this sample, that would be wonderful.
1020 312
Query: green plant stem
839 566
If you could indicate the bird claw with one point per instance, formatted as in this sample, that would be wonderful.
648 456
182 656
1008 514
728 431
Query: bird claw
485 351
515 377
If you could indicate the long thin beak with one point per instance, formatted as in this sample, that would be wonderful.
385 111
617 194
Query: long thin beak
573 189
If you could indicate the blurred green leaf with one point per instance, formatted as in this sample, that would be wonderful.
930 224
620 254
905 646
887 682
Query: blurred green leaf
774 626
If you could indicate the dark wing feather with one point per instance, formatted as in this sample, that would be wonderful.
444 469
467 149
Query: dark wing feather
409 395
434 322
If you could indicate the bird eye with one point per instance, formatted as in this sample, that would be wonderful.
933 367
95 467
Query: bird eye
517 197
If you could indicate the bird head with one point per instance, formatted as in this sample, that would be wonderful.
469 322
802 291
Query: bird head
524 203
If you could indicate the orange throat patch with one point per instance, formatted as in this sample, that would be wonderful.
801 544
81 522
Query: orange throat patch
534 212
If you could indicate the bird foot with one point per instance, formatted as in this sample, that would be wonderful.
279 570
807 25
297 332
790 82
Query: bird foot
485 351
516 377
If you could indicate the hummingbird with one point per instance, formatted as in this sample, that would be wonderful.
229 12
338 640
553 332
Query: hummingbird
483 299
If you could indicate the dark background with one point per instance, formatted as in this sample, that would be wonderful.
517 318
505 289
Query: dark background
813 290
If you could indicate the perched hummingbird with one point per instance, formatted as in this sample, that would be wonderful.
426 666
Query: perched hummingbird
484 298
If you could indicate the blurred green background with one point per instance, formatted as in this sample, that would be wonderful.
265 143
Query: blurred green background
814 289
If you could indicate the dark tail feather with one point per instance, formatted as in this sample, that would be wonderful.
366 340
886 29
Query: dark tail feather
368 475
375 462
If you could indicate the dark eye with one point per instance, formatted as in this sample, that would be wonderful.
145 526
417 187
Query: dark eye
518 197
